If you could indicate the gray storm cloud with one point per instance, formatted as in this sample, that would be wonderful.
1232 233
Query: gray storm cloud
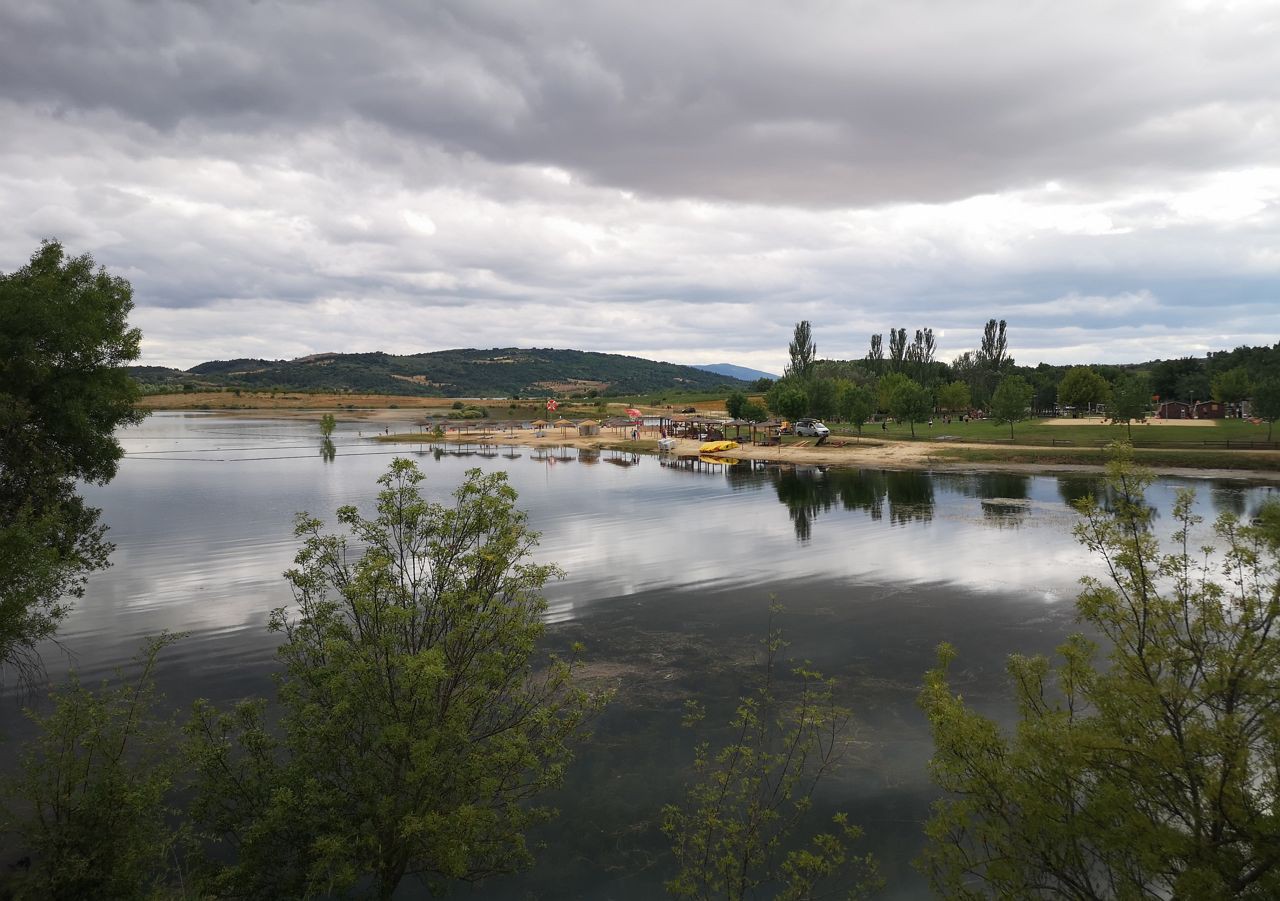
683 179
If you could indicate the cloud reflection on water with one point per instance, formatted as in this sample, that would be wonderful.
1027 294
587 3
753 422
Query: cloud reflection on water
201 545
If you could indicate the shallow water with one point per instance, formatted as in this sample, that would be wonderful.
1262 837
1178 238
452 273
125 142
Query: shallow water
670 568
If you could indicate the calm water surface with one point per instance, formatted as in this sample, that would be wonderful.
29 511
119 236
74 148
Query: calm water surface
670 566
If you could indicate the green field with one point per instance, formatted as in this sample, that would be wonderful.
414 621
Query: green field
1085 433
1154 456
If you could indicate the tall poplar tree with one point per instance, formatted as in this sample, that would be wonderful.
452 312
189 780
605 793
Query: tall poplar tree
802 350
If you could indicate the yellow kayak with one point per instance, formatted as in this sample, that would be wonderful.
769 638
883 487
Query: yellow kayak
714 447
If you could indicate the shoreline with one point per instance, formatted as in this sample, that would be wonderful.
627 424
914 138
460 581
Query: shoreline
865 452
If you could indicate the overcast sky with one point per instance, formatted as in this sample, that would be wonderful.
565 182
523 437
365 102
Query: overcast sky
680 181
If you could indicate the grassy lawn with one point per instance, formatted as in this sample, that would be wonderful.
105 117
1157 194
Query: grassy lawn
1084 433
1182 459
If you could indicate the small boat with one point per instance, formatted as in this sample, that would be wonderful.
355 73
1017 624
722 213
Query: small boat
715 447
666 444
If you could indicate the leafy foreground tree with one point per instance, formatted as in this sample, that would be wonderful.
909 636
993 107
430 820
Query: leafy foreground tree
90 804
417 731
735 835
64 389
1154 776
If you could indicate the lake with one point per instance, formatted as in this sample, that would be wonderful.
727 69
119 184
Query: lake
670 569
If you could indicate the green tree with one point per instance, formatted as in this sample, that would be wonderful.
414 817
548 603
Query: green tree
822 398
875 355
1012 401
1266 402
911 403
1194 386
90 804
855 404
417 730
1154 775
897 349
886 387
982 368
753 412
954 396
992 352
802 350
1130 400
1166 375
736 830
1081 387
734 403
64 389
327 424
1232 386
788 399
920 356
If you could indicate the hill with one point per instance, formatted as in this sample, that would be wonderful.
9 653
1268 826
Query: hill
743 373
500 372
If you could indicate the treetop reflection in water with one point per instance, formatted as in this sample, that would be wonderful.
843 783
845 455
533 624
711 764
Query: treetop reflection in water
808 491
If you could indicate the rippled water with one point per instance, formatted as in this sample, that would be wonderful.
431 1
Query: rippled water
670 566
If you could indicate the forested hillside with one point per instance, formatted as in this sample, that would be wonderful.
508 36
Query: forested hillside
503 372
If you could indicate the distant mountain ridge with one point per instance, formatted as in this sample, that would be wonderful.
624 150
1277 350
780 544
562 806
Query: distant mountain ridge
742 373
468 372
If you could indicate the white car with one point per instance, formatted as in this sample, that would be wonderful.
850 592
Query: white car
811 428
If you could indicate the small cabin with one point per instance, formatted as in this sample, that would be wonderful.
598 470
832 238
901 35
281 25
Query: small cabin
1173 409
588 428
1210 409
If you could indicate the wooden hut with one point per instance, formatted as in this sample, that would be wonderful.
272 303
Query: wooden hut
588 428
1210 409
1173 409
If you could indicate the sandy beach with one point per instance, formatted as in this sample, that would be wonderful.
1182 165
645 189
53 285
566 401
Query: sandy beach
865 452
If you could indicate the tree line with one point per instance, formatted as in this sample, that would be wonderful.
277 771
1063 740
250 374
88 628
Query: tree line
908 384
